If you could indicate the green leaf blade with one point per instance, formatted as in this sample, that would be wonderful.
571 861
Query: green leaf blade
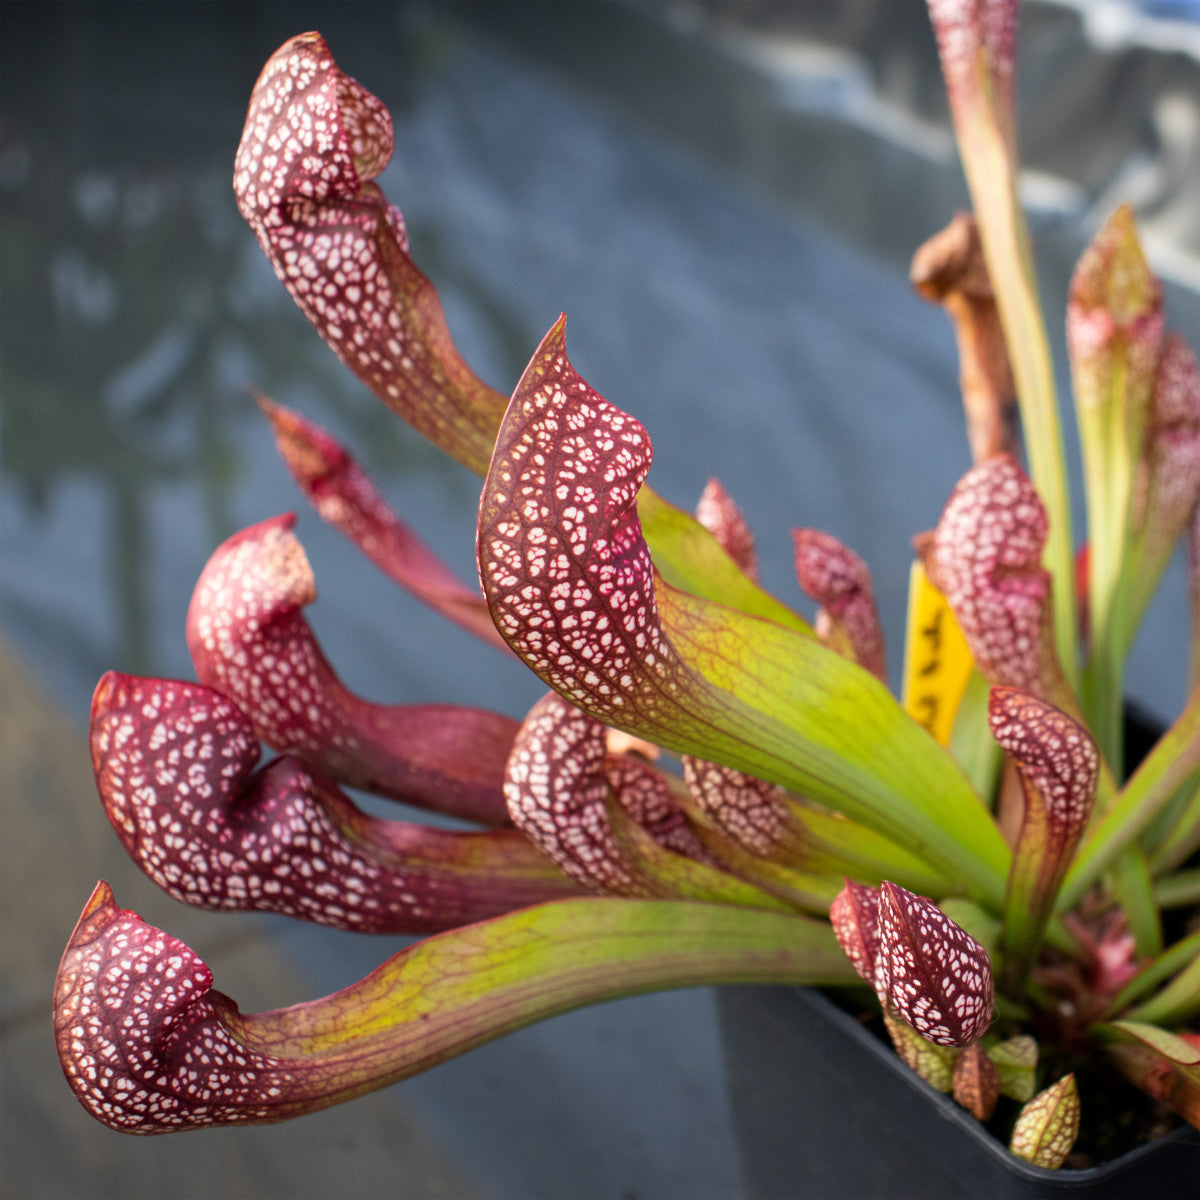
572 588
149 1047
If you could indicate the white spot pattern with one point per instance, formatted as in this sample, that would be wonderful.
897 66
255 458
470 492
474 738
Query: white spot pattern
986 558
1168 481
556 789
1055 755
840 582
562 560
854 915
1046 1128
249 640
313 140
646 796
718 513
559 779
749 810
174 766
936 976
964 30
753 812
143 1041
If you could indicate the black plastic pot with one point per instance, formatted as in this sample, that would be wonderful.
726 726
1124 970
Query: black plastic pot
823 1109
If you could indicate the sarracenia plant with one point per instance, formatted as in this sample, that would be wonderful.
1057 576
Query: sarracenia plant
714 790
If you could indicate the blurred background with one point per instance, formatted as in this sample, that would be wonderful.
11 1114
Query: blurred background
723 196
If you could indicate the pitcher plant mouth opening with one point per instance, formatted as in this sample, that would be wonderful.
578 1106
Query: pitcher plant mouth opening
715 789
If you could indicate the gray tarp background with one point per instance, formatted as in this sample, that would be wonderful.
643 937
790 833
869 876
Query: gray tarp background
723 198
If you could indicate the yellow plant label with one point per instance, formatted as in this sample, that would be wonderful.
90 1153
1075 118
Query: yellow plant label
937 660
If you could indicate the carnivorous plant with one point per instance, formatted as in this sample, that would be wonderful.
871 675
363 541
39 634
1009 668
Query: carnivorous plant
714 789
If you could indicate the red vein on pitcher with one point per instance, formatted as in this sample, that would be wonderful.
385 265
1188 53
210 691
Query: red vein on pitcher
175 768
935 975
345 496
840 582
1059 766
313 141
249 639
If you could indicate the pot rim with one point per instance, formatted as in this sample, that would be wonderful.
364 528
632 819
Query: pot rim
948 1110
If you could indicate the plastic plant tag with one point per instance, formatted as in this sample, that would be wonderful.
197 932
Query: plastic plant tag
937 659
